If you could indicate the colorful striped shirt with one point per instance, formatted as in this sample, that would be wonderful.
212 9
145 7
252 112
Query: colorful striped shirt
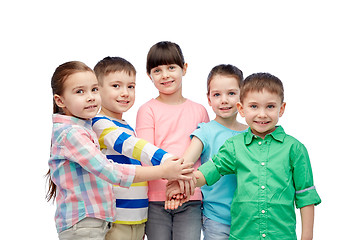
82 174
119 144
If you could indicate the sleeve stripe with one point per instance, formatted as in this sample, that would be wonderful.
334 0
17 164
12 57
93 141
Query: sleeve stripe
305 190
103 134
137 150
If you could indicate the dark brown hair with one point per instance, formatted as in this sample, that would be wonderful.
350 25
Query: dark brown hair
164 53
262 81
112 64
225 70
61 73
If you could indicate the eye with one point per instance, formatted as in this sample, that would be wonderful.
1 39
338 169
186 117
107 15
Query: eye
172 67
80 91
115 85
232 93
95 89
216 95
270 106
131 87
156 70
253 106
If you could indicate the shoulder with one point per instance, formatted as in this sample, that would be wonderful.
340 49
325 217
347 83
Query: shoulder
196 105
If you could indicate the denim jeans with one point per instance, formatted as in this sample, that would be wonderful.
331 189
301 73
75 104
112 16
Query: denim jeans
183 223
213 230
88 228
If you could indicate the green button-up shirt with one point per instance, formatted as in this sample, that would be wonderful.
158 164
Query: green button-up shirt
273 174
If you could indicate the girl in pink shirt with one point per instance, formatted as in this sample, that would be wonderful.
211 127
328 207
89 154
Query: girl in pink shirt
167 121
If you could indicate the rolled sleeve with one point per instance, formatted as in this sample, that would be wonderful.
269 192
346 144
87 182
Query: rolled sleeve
210 173
307 197
306 193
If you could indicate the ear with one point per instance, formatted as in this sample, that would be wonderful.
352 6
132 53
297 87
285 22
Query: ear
240 109
184 69
59 101
282 109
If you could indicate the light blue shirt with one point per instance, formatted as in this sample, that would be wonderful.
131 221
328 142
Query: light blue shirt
217 199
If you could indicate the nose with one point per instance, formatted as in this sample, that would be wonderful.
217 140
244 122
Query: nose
224 99
91 97
165 73
124 92
262 113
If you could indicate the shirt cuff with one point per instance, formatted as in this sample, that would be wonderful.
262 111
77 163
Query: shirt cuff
210 172
307 197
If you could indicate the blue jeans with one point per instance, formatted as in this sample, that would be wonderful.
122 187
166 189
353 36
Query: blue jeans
183 223
213 230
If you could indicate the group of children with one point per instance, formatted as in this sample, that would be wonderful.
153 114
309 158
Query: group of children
111 184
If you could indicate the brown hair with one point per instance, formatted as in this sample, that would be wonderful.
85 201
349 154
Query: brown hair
164 53
225 70
262 81
112 64
61 73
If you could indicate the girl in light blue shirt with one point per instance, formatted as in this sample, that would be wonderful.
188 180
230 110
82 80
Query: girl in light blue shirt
223 88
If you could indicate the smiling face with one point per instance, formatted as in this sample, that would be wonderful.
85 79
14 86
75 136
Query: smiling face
262 110
117 93
80 97
223 96
168 78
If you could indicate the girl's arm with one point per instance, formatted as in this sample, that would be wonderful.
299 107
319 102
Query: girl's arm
307 218
193 152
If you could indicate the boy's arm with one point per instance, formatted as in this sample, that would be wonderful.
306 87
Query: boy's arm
114 138
172 168
307 218
201 180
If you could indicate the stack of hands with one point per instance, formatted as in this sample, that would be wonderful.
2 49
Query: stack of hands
179 191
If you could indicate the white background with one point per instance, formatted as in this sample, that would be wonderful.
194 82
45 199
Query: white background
309 45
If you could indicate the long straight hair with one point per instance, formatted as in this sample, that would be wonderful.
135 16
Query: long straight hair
61 73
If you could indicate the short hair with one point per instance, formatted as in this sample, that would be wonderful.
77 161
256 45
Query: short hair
262 81
112 64
164 53
225 70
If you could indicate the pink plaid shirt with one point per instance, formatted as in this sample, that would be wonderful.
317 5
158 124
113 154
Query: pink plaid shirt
83 175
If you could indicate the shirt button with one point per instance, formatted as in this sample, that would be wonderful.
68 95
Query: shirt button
262 164
262 187
264 235
259 143
262 211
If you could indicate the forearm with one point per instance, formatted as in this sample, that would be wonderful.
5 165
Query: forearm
307 218
200 179
148 173
193 152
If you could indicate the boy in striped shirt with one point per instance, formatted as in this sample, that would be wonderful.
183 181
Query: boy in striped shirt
116 77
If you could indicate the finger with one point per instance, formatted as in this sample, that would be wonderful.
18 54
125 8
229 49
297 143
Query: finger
187 171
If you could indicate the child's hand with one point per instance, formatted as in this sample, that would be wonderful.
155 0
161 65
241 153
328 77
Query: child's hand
188 187
174 196
175 169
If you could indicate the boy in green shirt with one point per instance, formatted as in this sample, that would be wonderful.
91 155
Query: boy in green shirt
272 168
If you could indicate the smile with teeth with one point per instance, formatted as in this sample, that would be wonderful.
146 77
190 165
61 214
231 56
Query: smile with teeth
91 107
262 123
225 108
167 83
123 101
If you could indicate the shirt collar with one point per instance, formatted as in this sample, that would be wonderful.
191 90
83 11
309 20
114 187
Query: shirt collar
69 120
279 135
